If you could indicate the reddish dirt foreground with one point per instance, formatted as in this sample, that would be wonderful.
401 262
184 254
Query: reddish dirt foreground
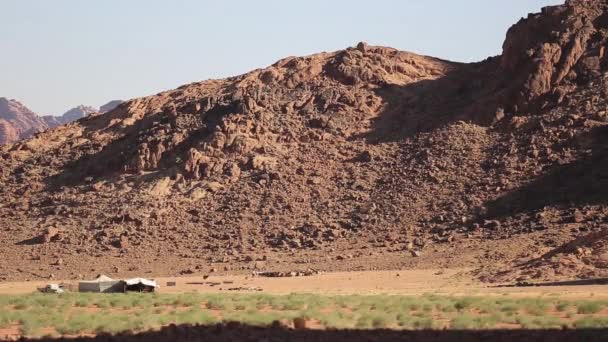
411 282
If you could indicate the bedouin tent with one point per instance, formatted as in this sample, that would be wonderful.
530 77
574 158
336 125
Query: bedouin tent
102 284
140 285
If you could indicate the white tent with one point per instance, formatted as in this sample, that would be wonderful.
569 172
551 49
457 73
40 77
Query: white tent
142 281
102 284
140 285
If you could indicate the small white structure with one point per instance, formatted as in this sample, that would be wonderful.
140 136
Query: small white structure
102 284
52 288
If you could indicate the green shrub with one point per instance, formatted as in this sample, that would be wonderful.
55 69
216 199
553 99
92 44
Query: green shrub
562 306
463 322
547 322
338 320
150 311
192 300
589 308
194 316
534 306
425 323
31 323
592 323
464 303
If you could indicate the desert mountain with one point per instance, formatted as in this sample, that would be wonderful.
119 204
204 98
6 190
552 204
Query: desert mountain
17 121
73 114
78 113
367 157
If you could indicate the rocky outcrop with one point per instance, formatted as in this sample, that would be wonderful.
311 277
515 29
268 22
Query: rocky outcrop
234 118
548 54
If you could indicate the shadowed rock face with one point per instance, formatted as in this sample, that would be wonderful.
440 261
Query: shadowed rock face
366 151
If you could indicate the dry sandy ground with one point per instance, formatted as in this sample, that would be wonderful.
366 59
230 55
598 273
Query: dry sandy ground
411 282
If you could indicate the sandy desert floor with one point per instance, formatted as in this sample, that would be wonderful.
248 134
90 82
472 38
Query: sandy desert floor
410 282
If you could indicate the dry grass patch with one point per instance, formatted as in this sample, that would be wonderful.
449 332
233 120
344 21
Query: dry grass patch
76 314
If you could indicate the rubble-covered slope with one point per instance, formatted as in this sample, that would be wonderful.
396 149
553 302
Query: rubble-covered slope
363 158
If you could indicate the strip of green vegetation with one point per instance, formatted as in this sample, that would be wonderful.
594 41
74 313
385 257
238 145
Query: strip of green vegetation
79 313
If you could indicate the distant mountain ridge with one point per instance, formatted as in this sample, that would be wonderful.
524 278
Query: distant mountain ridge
18 122
73 114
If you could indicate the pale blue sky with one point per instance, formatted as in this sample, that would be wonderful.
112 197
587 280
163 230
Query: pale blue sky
61 53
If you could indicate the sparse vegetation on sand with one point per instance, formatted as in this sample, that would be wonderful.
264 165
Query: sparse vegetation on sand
76 314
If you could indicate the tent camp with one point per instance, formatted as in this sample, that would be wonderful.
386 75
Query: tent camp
102 284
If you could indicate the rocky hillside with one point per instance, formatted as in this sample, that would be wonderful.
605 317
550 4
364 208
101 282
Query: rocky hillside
363 158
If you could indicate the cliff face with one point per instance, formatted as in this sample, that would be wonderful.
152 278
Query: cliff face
546 56
366 157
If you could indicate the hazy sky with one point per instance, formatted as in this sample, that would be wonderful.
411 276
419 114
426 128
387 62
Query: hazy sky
61 53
